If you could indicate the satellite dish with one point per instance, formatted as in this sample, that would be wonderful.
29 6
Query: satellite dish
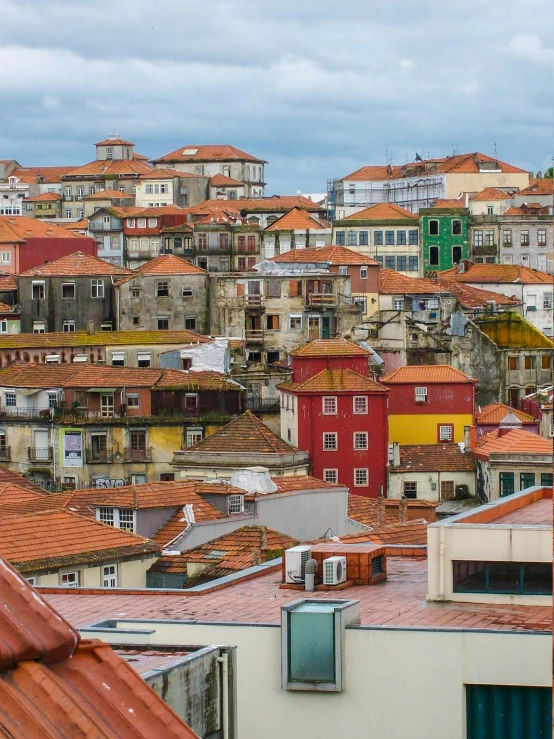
244 212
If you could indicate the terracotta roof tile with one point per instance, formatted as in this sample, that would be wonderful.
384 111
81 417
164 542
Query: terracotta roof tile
366 510
44 196
527 209
383 212
75 265
491 193
410 532
114 141
53 684
335 381
447 203
374 172
195 381
335 255
57 339
52 539
14 478
168 173
330 348
207 153
107 167
298 219
109 195
516 441
12 494
433 458
245 435
15 229
543 186
220 180
493 413
49 175
169 264
7 282
273 204
497 273
425 373
394 283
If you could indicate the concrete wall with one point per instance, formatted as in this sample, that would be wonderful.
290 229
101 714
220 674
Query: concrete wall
400 684
131 573
426 481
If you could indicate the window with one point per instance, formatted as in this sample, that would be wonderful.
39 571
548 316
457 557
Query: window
420 394
106 220
447 489
187 291
546 478
118 359
295 323
141 223
401 263
6 257
445 432
529 362
224 240
330 442
52 400
434 256
38 290
190 323
507 238
413 265
133 401
409 490
364 238
413 237
390 262
516 578
526 480
163 323
107 406
109 152
329 404
273 322
378 238
80 214
191 402
224 264
456 228
489 238
235 504
109 576
491 709
136 292
68 327
547 301
541 237
136 320
202 241
360 404
199 170
360 440
106 515
477 238
130 222
10 400
507 483
137 441
433 228
512 363
97 288
524 238
401 238
71 579
149 189
241 263
352 238
162 289
389 238
363 273
361 477
39 327
144 359
152 222
490 210
331 476
193 436
32 580
68 192
361 302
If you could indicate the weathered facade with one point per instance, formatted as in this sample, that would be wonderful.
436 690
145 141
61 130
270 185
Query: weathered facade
444 237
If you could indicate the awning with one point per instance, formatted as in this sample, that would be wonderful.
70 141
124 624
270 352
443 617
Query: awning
28 391
102 389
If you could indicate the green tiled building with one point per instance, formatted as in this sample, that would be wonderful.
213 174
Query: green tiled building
444 237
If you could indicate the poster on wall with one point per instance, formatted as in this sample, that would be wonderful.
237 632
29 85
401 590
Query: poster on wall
71 447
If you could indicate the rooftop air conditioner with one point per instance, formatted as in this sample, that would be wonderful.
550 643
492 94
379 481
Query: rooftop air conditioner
295 563
334 570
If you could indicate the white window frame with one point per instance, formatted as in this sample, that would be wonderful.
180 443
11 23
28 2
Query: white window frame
133 397
39 327
296 317
193 435
421 395
152 222
364 484
360 405
450 429
330 434
343 270
68 327
8 398
187 291
331 473
142 357
75 576
329 405
360 437
363 273
109 576
130 222
141 223
107 409
398 304
235 504
6 257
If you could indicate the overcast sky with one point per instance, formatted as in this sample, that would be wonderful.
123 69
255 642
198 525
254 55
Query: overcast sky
317 89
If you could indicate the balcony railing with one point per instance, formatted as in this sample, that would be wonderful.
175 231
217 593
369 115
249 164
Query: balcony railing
40 454
36 413
321 300
262 404
254 336
138 455
99 456
143 254
254 301
5 453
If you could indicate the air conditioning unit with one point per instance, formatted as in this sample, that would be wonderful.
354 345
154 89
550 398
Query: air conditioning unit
334 570
295 563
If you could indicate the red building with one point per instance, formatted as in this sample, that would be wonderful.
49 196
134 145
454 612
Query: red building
335 411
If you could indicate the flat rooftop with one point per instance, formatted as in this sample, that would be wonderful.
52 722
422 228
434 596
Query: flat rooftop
144 660
536 514
399 602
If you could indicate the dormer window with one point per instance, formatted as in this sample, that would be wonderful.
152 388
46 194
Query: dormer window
12 181
235 504
109 153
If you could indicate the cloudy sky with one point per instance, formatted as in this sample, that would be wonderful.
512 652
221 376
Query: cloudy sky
315 88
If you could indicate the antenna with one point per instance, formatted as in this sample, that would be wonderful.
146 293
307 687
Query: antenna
495 152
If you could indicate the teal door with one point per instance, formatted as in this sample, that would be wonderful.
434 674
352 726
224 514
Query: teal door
508 712
325 327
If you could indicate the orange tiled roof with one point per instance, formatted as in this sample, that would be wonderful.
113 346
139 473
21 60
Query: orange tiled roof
475 297
109 195
491 193
208 153
469 164
366 510
168 264
330 348
220 180
167 173
336 255
196 381
78 264
58 339
51 681
49 175
409 532
115 141
108 167
393 283
433 458
516 441
245 435
5 308
383 212
14 478
81 225
497 273
298 219
425 373
11 493
15 229
54 539
44 196
7 282
335 381
543 186
232 552
374 172
527 209
274 204
493 413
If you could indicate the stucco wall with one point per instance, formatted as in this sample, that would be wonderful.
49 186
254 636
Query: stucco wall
425 482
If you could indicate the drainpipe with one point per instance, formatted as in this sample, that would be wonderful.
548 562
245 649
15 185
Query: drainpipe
310 570
224 662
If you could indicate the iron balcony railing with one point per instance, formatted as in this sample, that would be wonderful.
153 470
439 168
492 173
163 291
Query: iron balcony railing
38 413
40 454
138 455
99 456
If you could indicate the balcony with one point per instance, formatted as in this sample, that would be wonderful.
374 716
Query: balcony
40 454
266 405
26 413
254 335
138 455
5 453
254 302
143 254
321 301
99 456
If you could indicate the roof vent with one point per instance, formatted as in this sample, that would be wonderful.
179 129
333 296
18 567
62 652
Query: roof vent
508 423
253 480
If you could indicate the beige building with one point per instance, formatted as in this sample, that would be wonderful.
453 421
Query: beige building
163 187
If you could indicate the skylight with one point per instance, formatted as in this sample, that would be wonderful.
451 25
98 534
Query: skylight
189 152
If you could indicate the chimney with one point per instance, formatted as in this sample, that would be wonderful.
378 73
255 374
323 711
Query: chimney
467 438
90 327
403 510
396 454
381 511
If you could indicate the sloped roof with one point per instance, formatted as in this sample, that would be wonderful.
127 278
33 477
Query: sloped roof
330 348
497 273
374 172
78 264
232 552
9 476
433 458
54 539
49 175
491 193
427 374
516 441
53 684
394 283
475 297
366 510
7 282
44 196
273 204
335 255
13 494
221 180
15 229
412 532
446 203
109 195
58 339
383 212
335 381
107 167
115 141
246 435
298 219
527 209
493 413
543 186
167 264
208 153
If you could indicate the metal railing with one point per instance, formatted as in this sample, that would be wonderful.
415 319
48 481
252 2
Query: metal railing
138 455
99 456
5 453
262 404
40 454
254 335
13 412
